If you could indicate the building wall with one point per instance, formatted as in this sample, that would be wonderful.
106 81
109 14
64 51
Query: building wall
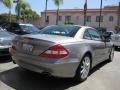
106 23
77 16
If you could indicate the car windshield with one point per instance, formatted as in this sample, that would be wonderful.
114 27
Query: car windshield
62 30
29 29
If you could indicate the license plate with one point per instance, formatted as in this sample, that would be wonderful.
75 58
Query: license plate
27 47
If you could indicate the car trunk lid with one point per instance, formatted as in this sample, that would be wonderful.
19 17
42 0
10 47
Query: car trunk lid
37 44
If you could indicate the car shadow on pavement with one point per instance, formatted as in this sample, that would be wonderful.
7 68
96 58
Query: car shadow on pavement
21 79
98 67
5 59
118 50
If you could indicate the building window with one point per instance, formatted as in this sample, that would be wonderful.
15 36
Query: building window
47 19
99 18
68 18
60 18
111 18
88 18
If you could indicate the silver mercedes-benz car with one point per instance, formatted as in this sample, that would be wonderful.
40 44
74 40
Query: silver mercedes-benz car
62 51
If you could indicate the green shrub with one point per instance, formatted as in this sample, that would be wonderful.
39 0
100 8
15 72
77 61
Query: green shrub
70 22
117 28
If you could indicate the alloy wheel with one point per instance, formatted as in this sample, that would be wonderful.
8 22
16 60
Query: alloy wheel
85 67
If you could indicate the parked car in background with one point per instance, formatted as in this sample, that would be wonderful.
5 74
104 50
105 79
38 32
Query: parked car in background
5 41
115 38
62 51
109 33
20 29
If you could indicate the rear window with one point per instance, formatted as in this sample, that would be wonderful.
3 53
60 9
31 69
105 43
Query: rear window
62 30
29 29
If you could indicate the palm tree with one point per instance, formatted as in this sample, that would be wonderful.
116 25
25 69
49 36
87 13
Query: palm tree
85 12
100 13
21 7
8 4
24 6
30 15
57 3
46 3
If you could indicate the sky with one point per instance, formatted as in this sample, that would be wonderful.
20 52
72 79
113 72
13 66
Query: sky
39 5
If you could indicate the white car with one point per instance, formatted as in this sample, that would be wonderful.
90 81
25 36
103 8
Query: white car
115 38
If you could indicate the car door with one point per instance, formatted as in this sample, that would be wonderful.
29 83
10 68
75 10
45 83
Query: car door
98 45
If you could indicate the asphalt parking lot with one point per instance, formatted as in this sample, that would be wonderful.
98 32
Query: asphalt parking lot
105 76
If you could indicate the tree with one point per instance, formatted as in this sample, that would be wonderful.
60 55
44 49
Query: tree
101 3
8 4
117 28
57 3
29 15
21 7
5 17
46 3
85 12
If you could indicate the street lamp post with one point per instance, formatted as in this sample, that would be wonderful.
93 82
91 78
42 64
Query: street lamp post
100 14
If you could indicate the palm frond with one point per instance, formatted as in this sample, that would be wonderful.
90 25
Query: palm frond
7 3
58 2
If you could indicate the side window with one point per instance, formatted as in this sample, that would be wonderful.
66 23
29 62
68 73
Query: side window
6 26
94 34
87 35
15 29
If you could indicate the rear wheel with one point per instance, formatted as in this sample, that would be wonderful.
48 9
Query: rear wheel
83 69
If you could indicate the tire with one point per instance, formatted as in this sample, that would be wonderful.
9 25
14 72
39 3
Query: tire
111 56
83 69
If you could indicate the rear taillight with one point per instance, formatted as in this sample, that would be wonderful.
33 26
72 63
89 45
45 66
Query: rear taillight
56 51
13 46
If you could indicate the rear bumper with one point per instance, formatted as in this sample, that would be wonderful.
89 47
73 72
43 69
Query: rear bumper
4 51
40 65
